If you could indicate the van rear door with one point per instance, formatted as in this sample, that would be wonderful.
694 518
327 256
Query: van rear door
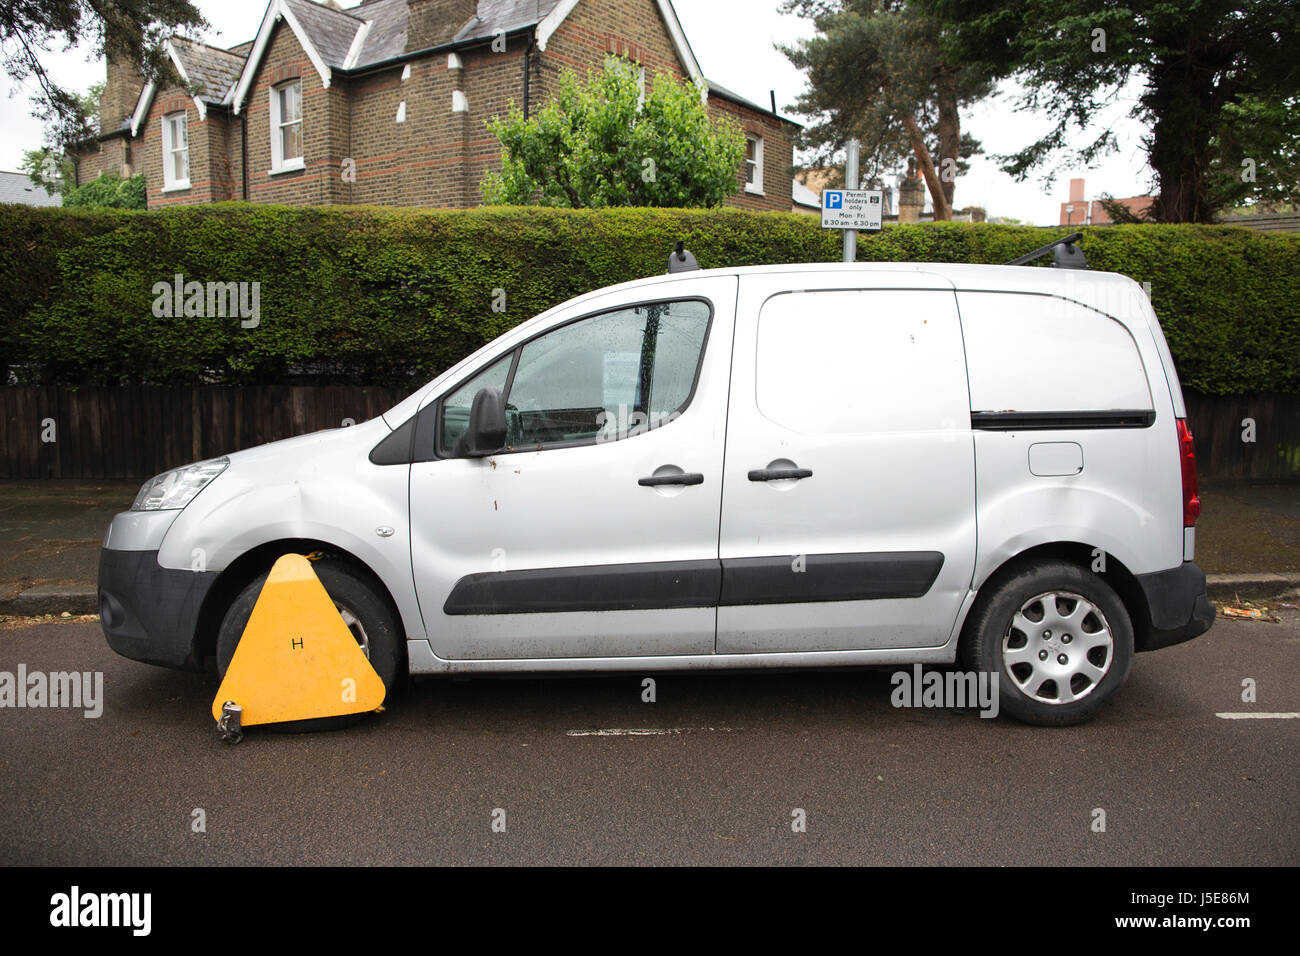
848 506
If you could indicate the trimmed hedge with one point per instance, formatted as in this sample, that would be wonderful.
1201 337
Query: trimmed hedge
391 296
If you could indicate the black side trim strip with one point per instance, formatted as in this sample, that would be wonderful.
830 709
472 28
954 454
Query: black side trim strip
603 587
791 579
783 579
1042 421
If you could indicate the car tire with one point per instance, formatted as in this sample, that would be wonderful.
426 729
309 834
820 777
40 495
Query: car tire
368 612
1059 639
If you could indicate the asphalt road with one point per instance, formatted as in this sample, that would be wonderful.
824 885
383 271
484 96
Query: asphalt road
879 785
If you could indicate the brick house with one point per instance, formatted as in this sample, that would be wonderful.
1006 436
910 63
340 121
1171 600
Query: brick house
385 103
1090 212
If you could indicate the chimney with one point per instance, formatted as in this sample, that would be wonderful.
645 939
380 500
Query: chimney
911 198
432 22
1076 190
122 84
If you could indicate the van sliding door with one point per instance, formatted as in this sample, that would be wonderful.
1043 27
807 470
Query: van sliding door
848 506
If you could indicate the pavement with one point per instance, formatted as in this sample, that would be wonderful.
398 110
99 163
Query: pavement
1247 541
717 774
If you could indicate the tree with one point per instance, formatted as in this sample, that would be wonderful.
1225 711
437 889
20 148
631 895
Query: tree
108 191
131 29
595 145
877 71
1256 154
49 169
1202 63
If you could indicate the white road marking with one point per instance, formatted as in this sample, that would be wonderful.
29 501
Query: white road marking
642 731
1292 715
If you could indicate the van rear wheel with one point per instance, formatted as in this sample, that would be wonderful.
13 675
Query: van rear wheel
367 613
1059 639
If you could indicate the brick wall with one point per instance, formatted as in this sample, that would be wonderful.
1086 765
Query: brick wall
210 174
323 128
494 81
778 156
112 154
223 132
122 83
597 28
412 162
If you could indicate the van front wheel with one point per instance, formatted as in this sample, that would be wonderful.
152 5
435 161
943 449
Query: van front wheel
1059 639
367 613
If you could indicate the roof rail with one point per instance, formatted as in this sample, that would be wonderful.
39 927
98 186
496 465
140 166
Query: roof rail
1065 254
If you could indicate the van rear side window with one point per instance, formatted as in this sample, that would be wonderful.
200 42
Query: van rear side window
1034 353
861 361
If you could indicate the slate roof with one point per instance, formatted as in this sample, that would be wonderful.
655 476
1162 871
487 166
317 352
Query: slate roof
387 35
506 15
216 71
331 31
19 188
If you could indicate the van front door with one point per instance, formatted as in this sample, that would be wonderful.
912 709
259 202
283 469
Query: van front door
848 508
595 532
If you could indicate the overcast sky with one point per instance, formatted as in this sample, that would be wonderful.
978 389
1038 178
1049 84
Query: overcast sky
734 42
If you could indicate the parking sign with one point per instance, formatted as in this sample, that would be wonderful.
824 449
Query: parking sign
852 208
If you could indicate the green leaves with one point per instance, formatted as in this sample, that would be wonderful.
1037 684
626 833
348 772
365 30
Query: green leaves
393 296
596 146
108 191
131 30
1204 66
874 67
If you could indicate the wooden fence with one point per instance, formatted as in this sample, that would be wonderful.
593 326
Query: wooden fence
138 431
135 432
1222 426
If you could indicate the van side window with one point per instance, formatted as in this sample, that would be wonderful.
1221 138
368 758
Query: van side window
861 361
607 376
1035 353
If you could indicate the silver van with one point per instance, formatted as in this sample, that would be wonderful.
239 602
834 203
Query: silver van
786 466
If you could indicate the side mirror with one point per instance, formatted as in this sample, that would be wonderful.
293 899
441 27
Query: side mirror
487 426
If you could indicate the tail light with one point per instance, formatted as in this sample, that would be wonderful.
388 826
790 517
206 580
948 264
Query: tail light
1187 459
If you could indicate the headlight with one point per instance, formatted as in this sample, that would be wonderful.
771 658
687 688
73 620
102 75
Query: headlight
175 489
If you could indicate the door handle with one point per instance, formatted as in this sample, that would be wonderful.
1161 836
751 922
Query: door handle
779 474
689 478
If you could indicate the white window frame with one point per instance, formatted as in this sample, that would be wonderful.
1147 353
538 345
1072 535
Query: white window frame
170 182
278 163
756 187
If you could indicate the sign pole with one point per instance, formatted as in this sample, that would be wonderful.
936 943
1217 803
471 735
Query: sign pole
851 182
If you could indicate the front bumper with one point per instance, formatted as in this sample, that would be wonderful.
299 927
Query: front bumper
1178 605
150 613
